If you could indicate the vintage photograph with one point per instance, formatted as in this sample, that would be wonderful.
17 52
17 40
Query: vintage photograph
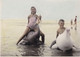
39 28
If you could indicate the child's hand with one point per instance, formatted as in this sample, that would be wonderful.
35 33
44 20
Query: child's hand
38 20
39 17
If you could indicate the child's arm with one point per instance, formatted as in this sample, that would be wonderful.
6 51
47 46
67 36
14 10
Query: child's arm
28 18
54 40
38 19
57 34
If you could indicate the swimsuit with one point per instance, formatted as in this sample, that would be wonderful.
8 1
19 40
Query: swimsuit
32 23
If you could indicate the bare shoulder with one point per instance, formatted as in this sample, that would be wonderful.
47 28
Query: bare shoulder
36 15
58 30
29 16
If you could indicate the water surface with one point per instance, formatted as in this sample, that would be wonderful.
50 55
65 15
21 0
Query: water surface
11 30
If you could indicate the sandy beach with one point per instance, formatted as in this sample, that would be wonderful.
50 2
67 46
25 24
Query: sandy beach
12 29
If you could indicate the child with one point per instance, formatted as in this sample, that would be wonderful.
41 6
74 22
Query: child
59 31
33 21
71 24
75 22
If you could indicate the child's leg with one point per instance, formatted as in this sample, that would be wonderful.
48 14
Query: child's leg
53 43
25 33
71 26
42 36
75 26
33 38
27 30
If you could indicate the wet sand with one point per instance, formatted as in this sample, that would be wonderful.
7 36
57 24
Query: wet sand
12 29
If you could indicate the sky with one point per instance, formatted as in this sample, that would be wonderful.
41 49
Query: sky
48 9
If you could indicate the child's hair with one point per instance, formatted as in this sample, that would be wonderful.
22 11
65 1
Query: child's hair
33 7
61 20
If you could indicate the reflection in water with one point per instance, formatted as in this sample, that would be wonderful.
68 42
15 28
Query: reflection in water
31 50
61 53
41 50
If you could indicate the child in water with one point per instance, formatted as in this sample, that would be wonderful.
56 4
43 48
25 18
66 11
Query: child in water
71 24
33 21
60 30
75 22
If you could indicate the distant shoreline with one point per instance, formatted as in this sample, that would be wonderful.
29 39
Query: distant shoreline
42 22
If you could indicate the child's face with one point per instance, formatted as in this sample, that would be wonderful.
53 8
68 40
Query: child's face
33 10
61 23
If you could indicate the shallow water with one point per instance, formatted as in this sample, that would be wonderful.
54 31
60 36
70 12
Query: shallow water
12 30
44 50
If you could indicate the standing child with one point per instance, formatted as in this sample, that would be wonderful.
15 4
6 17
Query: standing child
71 24
75 22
